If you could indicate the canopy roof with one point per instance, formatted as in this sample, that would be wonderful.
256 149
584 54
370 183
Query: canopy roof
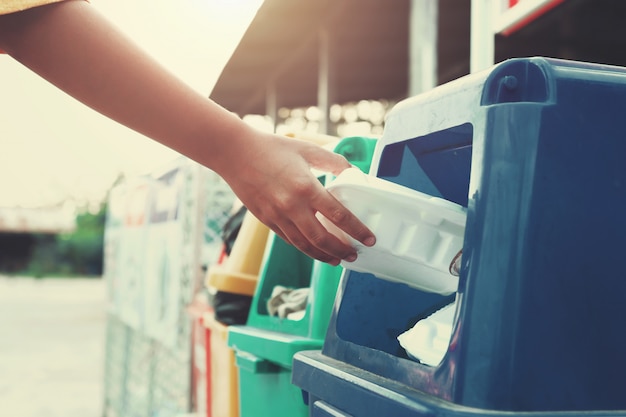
368 50
370 47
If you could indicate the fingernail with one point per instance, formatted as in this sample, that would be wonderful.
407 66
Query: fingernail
370 241
351 258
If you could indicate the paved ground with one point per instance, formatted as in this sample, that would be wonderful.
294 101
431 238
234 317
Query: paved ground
52 340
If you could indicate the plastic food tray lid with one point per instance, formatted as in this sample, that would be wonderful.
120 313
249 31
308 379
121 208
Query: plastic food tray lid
417 235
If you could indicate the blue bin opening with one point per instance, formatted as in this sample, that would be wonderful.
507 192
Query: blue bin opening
379 328
437 164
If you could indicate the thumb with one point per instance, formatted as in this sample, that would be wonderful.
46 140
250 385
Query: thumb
327 161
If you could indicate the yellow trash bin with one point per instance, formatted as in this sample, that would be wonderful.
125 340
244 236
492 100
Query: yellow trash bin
240 271
237 274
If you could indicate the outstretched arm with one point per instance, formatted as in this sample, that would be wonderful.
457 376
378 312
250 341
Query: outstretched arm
71 45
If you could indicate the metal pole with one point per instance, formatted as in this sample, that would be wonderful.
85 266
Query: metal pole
482 36
271 104
325 83
423 46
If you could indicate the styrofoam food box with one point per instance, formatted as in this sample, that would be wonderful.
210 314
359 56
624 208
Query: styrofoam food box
417 235
429 339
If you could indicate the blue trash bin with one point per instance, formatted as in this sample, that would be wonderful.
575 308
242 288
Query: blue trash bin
534 149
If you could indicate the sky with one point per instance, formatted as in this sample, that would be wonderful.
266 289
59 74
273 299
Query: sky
55 149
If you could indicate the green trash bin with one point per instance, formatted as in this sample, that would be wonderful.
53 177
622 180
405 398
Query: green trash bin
265 346
358 150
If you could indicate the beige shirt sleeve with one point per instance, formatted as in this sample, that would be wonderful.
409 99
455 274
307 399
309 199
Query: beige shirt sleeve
10 6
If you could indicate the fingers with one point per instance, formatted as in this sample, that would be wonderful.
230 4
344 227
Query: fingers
287 196
326 160
303 230
343 218
327 205
315 245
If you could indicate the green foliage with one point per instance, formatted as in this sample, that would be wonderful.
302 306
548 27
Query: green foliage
71 254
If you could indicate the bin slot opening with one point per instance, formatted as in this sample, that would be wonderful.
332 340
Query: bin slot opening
437 164
289 268
375 312
427 342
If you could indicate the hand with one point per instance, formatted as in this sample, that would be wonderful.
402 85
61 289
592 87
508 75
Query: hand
272 176
73 47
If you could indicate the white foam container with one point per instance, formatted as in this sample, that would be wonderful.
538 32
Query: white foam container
429 339
417 235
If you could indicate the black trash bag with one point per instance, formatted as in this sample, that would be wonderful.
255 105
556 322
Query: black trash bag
231 228
231 308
